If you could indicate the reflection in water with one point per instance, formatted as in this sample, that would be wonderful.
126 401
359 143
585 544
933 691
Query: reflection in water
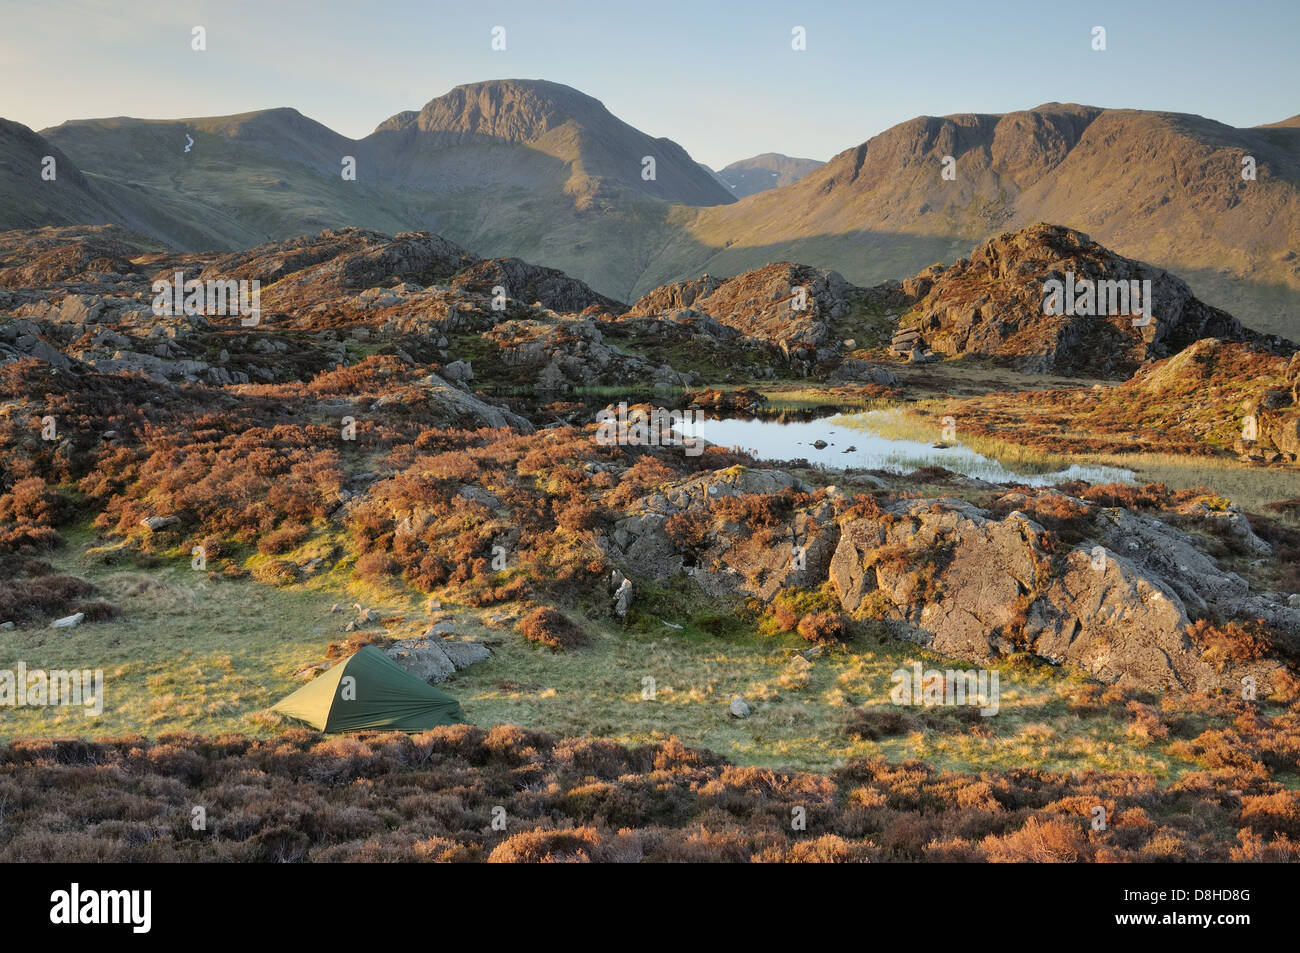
770 440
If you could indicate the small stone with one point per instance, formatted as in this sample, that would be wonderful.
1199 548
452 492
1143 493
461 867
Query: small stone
426 660
739 707
465 654
458 371
6 625
623 599
68 622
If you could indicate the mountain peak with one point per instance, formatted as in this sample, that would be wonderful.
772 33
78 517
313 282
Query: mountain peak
769 170
560 131
511 110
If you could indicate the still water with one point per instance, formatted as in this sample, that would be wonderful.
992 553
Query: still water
772 441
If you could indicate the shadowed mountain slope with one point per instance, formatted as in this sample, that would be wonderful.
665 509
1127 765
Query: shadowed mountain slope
540 171
1164 187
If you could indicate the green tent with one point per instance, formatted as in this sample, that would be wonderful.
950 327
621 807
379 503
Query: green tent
368 691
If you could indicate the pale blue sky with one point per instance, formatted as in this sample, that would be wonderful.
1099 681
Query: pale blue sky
719 78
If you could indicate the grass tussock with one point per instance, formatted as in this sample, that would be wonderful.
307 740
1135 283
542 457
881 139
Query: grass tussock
550 627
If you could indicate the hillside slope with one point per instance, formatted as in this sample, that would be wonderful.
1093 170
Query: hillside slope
75 197
534 169
1163 187
540 171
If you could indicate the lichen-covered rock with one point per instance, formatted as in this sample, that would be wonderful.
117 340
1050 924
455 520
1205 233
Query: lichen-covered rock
956 579
992 305
451 406
1114 623
1171 555
969 583
465 654
435 660
528 283
557 351
853 369
789 307
423 658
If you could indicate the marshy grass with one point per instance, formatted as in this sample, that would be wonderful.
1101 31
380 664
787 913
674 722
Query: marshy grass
812 398
914 423
1252 487
609 392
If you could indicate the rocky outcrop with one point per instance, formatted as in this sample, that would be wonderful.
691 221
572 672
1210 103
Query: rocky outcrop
641 542
992 305
1118 624
955 578
784 305
1170 555
297 273
557 351
47 257
783 314
448 405
549 287
1276 417
854 369
436 660
967 582
19 339
676 295
413 295
969 585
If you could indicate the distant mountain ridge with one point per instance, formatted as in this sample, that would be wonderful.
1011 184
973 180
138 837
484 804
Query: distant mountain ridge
535 168
543 172
770 170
